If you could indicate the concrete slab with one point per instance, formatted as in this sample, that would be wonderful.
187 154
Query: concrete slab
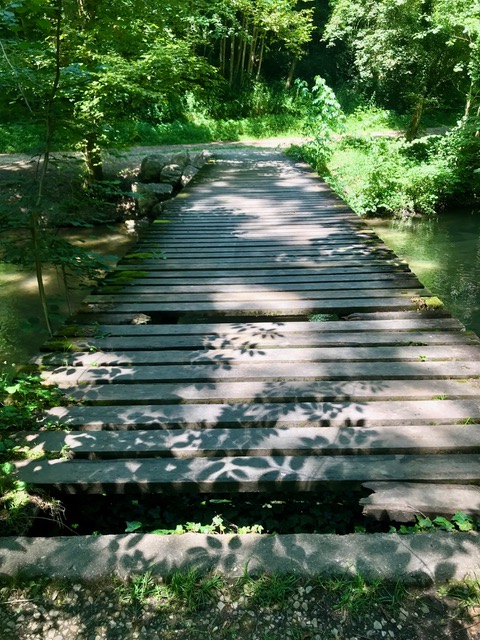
421 559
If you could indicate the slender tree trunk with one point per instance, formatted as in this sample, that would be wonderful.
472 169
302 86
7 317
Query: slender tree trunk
93 158
35 216
232 59
243 59
414 125
222 56
253 47
260 58
291 74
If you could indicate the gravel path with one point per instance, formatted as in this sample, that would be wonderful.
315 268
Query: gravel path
79 611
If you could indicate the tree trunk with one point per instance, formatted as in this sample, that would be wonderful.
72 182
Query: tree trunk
253 48
291 74
414 125
232 59
260 59
93 158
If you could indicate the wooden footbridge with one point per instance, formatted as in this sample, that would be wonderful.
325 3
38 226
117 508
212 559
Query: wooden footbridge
262 337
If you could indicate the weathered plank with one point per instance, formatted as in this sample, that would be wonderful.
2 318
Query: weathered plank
284 414
248 341
269 295
160 288
293 391
270 373
259 307
395 329
246 354
244 473
311 441
402 501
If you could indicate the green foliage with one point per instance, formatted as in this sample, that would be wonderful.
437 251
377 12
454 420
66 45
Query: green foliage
415 55
459 522
23 400
386 176
324 116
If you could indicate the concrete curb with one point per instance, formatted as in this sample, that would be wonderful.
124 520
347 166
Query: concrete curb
421 559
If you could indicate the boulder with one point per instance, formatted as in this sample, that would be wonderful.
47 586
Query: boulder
181 158
199 159
188 174
171 174
152 166
148 195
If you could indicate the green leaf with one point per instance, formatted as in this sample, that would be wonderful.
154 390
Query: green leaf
6 468
132 526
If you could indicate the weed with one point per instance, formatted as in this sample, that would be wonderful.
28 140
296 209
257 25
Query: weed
267 591
136 592
353 593
193 590
466 592
459 522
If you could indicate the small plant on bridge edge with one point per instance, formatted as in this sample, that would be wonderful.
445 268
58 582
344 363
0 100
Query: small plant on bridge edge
459 522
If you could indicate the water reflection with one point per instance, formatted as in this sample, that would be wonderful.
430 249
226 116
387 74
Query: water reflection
22 330
444 252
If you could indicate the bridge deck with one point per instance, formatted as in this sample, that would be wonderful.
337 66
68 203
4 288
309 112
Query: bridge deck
199 370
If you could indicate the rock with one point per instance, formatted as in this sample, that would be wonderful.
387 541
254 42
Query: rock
171 174
152 166
182 158
188 174
200 159
377 625
148 195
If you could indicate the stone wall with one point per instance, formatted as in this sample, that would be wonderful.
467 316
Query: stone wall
162 176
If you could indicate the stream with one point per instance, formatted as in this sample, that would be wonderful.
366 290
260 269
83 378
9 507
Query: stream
444 252
22 330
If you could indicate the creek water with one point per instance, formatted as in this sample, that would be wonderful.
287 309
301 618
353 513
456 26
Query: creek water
22 329
444 252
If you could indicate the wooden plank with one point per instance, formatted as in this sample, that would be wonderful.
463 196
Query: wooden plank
259 307
247 354
247 341
270 295
292 391
270 373
284 414
279 329
241 263
159 271
160 288
317 279
187 443
243 473
402 501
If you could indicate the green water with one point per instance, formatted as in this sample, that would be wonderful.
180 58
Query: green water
444 253
22 329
